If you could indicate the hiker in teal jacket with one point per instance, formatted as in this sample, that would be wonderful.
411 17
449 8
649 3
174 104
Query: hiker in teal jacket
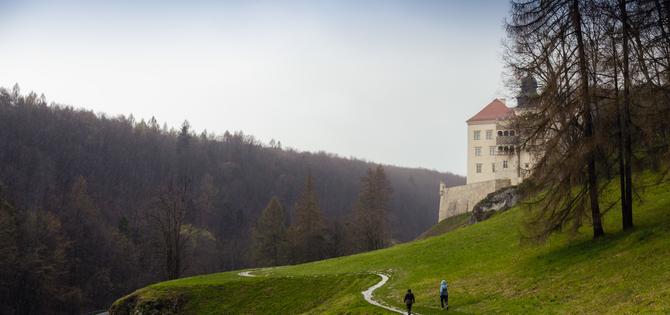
444 294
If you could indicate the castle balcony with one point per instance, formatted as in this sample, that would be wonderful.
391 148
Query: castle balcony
507 140
506 150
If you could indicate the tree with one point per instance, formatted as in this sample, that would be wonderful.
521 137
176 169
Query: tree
371 211
169 216
269 236
307 228
548 43
604 71
627 205
90 243
9 254
34 277
592 146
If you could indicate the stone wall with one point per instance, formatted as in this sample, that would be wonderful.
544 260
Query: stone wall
461 199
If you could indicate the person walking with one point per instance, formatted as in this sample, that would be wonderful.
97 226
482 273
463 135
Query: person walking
409 300
444 294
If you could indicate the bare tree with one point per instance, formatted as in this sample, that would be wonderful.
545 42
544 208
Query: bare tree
169 216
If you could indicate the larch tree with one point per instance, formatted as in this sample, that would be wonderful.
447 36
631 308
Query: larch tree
547 42
371 211
269 236
307 228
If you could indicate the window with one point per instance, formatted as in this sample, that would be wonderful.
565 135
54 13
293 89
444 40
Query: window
511 133
478 166
477 134
492 150
504 164
506 133
493 167
489 134
500 133
478 151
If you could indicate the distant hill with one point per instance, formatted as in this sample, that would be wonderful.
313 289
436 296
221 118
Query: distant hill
71 162
488 268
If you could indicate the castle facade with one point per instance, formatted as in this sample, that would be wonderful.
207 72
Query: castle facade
495 156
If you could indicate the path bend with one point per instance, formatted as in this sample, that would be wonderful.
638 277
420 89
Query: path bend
368 294
246 274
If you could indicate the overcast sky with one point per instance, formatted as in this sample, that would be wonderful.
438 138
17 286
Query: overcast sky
387 81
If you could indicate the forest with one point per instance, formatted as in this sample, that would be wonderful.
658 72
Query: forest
93 207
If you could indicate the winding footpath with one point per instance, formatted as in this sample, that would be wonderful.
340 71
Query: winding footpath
367 294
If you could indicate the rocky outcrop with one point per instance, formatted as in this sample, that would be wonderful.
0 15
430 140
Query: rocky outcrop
499 200
169 304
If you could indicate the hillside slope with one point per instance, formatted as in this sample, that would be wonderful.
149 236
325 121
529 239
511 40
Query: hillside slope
103 180
488 269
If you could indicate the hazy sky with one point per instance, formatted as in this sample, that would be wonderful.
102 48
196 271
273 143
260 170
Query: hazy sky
387 81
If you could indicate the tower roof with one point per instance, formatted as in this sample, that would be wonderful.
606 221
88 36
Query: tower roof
493 111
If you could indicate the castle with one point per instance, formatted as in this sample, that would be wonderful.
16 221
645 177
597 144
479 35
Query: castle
495 158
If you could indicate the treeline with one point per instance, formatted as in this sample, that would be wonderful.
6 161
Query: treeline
310 237
603 108
94 207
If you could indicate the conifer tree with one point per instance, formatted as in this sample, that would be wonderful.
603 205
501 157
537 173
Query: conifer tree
371 211
307 229
549 42
270 243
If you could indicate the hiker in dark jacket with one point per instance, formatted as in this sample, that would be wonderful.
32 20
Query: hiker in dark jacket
409 300
444 294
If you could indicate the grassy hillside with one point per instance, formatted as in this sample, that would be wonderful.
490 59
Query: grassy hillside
446 225
488 268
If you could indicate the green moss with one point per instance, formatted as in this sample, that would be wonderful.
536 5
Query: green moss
488 269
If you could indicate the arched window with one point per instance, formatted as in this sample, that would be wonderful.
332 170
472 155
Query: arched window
506 133
511 150
511 133
500 149
500 133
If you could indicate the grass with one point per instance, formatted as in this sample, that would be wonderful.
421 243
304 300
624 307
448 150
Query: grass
227 293
489 271
447 225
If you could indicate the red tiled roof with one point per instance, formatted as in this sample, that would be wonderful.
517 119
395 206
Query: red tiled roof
493 111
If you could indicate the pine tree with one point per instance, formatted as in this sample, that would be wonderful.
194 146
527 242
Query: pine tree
269 237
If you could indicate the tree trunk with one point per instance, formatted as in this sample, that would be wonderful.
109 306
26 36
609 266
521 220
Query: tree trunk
627 214
588 121
620 142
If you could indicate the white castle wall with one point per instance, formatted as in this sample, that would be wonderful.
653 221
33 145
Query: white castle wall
461 199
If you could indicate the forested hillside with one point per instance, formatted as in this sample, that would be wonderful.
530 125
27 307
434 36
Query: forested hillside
94 183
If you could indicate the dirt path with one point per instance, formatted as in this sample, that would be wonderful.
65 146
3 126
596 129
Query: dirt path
245 274
367 294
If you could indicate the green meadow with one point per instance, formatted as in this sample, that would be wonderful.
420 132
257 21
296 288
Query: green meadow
488 267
